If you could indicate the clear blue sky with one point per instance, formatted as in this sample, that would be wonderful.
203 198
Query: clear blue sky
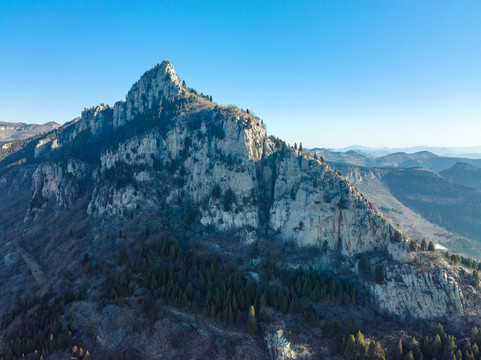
327 73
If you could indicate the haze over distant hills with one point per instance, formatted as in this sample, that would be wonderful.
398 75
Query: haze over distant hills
19 131
471 152
422 159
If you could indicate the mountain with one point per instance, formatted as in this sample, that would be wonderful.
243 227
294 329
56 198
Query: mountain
423 159
470 152
465 174
168 226
21 131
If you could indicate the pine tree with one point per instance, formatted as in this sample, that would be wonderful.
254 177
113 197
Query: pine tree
350 349
426 348
379 274
251 321
409 356
414 347
238 319
343 345
437 347
294 305
360 345
441 333
431 246
475 338
475 349
376 352
424 245
398 354
475 278
284 304
262 302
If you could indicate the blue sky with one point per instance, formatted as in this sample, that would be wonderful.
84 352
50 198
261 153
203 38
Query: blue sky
327 73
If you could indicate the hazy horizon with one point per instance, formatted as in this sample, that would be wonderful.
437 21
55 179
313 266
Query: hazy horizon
328 74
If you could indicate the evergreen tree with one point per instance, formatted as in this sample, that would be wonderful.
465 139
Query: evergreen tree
251 321
238 319
424 245
375 351
475 349
398 354
431 246
343 345
426 348
350 349
379 274
475 337
437 347
363 265
441 333
360 345
475 278
413 346
262 302
294 305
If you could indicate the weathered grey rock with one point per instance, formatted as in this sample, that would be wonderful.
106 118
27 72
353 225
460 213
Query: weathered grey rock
426 294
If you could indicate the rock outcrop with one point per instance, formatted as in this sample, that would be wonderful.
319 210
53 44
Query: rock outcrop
408 292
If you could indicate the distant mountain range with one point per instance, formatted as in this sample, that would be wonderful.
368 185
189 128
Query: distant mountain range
422 159
19 131
470 152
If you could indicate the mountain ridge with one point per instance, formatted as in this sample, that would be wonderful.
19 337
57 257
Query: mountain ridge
422 159
20 131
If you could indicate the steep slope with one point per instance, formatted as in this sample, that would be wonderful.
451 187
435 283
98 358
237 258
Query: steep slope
167 161
464 174
419 217
453 206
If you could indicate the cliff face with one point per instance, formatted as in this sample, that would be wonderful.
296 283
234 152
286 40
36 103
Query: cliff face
167 147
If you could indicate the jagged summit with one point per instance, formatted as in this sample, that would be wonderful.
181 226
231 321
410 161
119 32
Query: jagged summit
160 77
156 85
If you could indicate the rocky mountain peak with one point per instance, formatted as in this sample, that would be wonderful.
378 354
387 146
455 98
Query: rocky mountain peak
154 87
